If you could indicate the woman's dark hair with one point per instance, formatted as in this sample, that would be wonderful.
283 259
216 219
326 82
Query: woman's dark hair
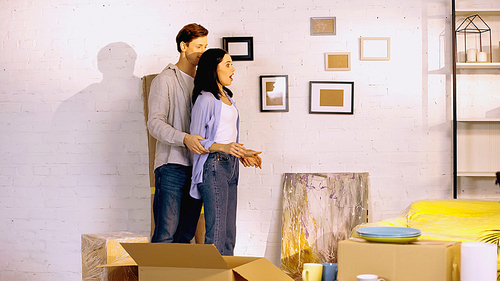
206 78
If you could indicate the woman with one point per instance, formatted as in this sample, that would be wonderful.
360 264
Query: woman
215 174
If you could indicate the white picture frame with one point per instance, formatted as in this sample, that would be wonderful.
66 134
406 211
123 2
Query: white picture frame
375 48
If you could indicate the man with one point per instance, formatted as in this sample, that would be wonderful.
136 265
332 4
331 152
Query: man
175 212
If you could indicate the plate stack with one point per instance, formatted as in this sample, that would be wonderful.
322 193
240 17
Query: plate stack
389 234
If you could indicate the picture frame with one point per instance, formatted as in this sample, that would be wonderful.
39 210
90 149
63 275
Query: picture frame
375 48
321 26
274 93
338 61
331 97
239 48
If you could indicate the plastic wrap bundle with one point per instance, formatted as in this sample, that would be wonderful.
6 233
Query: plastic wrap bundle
450 220
105 248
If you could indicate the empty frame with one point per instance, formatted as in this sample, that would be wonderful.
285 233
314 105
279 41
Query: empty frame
375 48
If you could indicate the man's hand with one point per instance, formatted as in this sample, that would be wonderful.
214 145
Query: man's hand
193 143
252 159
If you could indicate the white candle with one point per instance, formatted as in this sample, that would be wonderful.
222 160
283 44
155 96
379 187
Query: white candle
471 55
482 56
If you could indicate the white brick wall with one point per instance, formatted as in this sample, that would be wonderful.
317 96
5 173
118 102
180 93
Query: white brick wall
73 149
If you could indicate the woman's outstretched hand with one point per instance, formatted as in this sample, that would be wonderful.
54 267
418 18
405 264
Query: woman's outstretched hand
234 148
252 159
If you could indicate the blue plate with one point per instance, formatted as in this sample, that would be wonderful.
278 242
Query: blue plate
388 232
399 240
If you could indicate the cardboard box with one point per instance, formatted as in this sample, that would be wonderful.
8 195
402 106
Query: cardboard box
197 262
146 86
417 261
103 248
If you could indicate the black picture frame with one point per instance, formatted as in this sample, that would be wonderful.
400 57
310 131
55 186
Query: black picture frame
239 48
275 99
331 97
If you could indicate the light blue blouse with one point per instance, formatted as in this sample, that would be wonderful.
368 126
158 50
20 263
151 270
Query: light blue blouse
205 118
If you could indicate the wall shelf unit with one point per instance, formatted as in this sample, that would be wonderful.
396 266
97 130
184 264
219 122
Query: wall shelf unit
476 134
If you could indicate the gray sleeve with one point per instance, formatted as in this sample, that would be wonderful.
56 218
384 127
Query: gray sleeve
159 107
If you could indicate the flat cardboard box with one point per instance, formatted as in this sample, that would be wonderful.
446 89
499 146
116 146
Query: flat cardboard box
197 262
417 261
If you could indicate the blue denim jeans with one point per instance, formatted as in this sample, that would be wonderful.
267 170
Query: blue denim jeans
219 193
175 212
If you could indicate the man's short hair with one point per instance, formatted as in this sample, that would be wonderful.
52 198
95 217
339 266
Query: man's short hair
190 32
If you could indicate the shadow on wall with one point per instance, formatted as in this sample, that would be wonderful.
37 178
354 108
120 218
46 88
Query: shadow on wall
273 243
100 137
494 113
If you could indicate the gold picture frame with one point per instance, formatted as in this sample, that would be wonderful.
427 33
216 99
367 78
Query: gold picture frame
338 61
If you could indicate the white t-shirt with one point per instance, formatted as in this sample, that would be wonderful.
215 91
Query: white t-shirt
227 131
188 82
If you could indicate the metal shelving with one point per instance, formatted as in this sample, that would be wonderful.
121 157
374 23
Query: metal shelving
482 131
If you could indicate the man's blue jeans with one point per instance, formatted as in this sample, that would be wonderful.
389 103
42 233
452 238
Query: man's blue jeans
175 212
219 193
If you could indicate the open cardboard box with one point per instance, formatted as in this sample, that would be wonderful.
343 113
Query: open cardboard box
423 260
196 262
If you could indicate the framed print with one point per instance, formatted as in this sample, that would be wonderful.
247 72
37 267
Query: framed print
274 93
240 48
331 97
323 26
375 48
338 61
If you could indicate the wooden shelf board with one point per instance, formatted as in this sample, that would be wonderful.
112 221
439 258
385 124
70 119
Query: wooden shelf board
476 174
478 65
478 120
464 12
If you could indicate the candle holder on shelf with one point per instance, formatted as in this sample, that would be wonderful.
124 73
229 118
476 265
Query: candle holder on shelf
475 25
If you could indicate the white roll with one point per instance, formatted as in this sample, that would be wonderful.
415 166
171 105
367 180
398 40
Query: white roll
478 262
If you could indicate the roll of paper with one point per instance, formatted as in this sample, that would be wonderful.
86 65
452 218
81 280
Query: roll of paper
478 262
482 57
471 54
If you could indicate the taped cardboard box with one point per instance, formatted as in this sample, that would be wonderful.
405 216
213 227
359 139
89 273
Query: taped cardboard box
417 261
103 248
196 262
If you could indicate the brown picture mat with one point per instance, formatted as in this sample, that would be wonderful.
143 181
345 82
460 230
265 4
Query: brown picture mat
338 61
331 97
323 26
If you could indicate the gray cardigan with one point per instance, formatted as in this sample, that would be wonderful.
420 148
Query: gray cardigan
169 117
